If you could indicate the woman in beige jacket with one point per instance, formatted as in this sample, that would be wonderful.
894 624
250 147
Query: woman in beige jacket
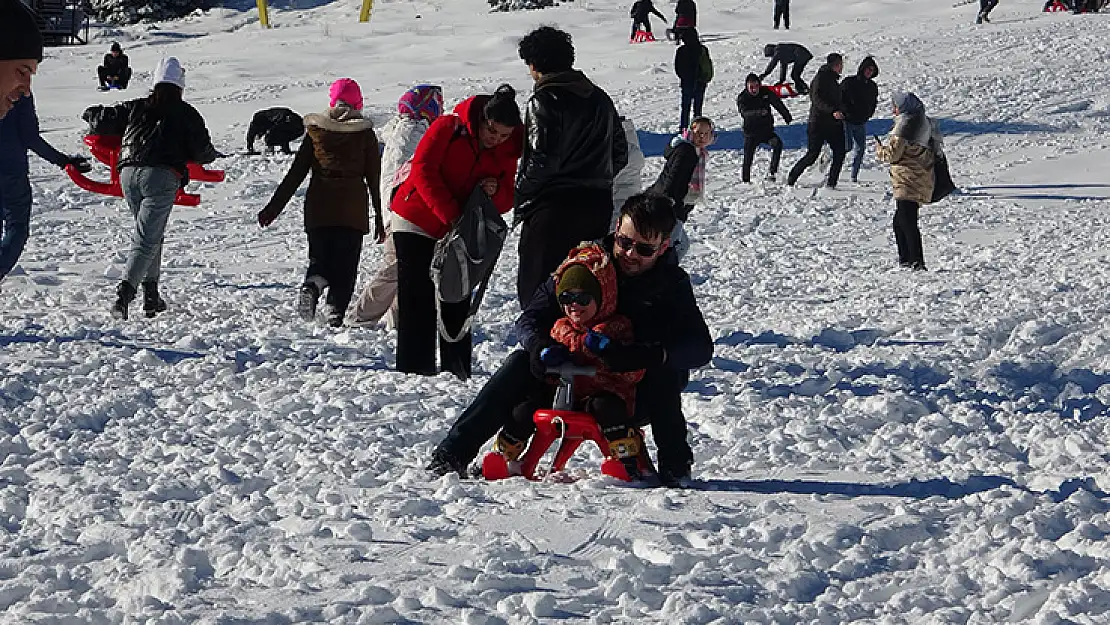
911 150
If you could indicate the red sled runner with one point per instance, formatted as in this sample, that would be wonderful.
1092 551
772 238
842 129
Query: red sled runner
1056 7
106 149
642 36
784 90
567 427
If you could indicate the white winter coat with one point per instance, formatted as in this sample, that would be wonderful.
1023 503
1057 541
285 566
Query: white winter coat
400 136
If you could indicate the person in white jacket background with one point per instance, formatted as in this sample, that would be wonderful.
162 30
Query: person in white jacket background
628 180
416 110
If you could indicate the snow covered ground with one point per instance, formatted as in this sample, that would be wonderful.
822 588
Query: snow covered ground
872 445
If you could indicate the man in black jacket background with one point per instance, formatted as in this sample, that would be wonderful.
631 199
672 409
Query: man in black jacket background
694 68
755 103
575 146
826 122
115 72
784 54
641 16
859 96
671 338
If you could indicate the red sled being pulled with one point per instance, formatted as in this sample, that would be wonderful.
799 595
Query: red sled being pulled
784 90
106 149
569 428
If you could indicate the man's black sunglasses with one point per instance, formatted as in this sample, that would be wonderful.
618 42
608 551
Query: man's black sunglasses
582 298
641 249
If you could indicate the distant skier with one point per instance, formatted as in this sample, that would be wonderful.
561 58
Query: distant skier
755 103
641 13
685 18
985 8
277 127
115 72
826 122
694 68
784 54
859 96
782 13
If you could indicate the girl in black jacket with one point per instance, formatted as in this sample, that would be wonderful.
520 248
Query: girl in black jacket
683 176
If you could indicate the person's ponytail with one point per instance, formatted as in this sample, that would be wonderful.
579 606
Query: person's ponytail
501 107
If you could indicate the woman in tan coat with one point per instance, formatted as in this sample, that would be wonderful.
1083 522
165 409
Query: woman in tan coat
911 150
341 150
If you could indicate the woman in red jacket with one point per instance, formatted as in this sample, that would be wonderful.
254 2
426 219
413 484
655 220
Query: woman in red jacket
478 144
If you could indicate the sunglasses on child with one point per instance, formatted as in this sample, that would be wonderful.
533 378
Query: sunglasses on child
582 298
641 249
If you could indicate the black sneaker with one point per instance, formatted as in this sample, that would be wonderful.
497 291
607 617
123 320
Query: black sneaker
444 462
152 301
675 477
125 294
306 302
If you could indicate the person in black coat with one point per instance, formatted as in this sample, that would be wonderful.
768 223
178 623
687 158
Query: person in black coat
985 8
826 121
115 72
641 16
784 54
694 68
671 339
277 126
755 103
859 95
782 13
685 18
683 176
574 147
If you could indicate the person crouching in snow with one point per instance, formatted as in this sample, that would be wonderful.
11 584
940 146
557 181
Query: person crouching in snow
341 150
277 127
911 151
683 176
416 110
586 289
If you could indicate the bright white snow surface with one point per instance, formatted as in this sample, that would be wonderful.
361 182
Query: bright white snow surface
873 445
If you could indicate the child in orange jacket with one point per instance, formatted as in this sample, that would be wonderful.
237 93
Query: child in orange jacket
586 287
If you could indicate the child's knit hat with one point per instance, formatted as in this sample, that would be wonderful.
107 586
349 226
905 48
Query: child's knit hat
579 277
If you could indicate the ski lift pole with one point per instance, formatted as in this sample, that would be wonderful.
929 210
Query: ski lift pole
263 14
367 6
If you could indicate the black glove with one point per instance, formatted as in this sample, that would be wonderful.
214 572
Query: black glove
788 120
80 163
620 358
535 360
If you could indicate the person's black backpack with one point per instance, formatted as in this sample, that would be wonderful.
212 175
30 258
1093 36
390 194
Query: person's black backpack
463 260
943 185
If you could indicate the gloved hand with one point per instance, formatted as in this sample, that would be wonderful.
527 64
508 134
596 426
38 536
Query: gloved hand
788 119
267 215
620 358
538 368
597 342
554 356
80 163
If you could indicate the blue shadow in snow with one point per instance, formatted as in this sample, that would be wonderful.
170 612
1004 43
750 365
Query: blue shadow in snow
1006 191
794 136
169 356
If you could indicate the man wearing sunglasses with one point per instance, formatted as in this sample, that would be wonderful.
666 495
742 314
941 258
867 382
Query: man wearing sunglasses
671 338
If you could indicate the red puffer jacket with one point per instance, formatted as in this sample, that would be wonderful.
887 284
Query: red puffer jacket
448 164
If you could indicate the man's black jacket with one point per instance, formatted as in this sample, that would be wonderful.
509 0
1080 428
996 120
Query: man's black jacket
575 143
756 111
172 138
859 94
660 304
824 97
115 64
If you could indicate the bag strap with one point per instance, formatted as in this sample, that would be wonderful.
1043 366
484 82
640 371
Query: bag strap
475 304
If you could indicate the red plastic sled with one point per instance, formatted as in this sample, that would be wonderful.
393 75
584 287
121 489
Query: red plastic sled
784 90
642 36
1056 7
106 148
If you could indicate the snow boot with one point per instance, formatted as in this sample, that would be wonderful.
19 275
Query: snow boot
152 302
306 301
125 294
444 462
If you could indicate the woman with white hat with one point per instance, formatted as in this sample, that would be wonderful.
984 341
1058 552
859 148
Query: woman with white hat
161 135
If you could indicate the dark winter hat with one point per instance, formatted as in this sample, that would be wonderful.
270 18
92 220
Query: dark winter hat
769 49
19 33
753 77
115 47
579 277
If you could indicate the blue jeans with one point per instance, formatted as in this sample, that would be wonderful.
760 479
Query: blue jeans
15 211
855 133
149 192
692 94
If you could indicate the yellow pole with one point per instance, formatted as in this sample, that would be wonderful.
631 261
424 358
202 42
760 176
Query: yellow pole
263 14
364 15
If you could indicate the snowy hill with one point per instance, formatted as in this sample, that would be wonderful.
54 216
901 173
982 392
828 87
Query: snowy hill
872 445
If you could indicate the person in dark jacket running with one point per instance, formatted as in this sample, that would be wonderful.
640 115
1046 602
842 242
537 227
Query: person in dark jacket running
782 13
20 53
859 96
19 132
641 16
785 54
755 103
683 177
694 68
985 8
276 127
115 71
826 122
685 18
161 135
575 146
671 339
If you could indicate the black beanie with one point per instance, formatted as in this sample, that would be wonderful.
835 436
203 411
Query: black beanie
115 47
19 34
752 78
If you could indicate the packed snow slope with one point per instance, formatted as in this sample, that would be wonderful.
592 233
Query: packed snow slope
873 445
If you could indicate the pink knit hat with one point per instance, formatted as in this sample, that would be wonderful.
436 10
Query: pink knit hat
348 91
